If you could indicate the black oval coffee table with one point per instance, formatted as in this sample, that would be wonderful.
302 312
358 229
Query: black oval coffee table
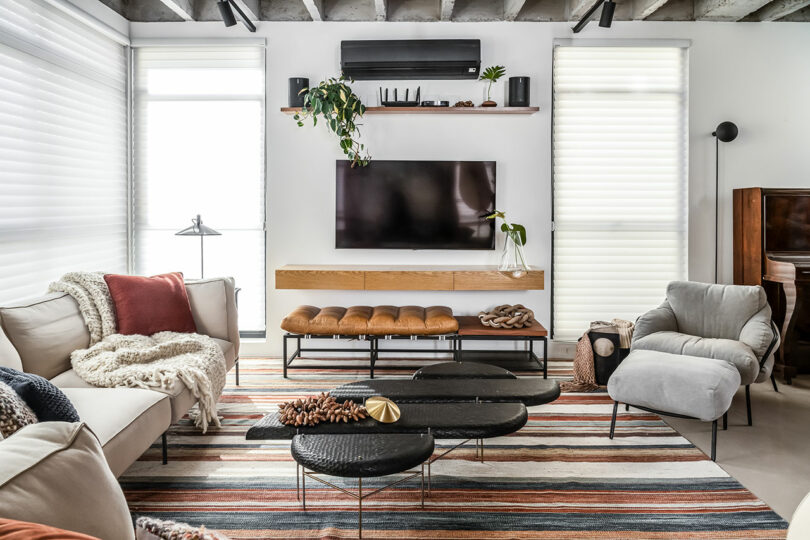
463 370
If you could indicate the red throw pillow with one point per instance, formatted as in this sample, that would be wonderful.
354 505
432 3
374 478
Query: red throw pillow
148 305
22 530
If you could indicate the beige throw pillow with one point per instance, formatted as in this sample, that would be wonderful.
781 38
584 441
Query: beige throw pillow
54 473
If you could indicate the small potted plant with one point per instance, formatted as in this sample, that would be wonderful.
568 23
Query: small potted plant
492 74
513 260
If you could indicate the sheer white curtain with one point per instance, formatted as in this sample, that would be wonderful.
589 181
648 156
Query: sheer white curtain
620 189
199 149
63 149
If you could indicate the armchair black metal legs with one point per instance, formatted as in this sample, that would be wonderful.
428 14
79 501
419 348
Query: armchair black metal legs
714 423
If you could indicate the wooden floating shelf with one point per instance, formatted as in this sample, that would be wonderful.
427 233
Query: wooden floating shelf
405 278
436 110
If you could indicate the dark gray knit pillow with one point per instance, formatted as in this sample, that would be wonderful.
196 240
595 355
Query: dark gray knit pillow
48 402
14 413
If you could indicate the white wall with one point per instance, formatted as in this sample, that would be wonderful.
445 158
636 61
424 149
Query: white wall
755 74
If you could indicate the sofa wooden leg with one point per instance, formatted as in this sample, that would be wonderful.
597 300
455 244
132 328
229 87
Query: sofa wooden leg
613 418
714 440
165 448
748 404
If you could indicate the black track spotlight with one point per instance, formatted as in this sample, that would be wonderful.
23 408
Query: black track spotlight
226 8
607 14
227 13
608 6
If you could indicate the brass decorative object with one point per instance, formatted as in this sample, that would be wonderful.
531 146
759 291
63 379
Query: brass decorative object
382 409
313 410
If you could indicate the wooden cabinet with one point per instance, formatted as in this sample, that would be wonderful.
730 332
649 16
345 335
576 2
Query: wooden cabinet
772 249
405 278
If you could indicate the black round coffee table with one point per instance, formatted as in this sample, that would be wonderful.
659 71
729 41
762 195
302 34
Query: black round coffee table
361 456
463 370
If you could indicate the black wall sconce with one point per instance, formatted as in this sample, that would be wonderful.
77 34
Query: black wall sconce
608 7
226 8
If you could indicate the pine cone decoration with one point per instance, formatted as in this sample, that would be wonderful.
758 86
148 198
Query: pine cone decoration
313 410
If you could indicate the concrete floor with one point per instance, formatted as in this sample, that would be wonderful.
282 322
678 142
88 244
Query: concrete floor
771 458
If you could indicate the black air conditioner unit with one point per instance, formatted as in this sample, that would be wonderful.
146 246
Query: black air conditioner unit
411 59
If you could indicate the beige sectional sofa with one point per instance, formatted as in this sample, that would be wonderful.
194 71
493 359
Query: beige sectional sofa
38 336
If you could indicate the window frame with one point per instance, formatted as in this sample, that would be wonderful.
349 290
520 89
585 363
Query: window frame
132 98
684 44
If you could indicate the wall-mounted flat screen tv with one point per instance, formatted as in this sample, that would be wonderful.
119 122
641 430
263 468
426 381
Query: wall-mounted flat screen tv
415 205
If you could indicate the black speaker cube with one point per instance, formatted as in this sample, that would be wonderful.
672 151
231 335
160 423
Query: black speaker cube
296 97
518 91
604 366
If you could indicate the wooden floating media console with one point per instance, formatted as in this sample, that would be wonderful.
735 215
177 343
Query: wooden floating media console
405 278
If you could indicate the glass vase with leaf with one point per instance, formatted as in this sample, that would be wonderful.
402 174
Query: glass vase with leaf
513 258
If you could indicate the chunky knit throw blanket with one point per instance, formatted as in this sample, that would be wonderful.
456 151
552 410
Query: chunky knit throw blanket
584 371
155 362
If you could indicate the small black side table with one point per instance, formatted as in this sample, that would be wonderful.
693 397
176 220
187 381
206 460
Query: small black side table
471 329
463 370
361 456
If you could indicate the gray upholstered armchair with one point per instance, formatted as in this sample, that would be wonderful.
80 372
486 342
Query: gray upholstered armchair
725 322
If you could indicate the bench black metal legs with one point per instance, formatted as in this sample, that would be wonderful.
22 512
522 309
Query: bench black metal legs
714 423
374 350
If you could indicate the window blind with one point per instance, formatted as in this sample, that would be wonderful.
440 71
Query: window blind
199 149
63 149
620 190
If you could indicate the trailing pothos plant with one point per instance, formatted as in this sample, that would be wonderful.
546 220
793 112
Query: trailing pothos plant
514 231
339 106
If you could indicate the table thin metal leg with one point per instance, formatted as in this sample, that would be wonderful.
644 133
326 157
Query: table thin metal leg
422 485
304 488
359 508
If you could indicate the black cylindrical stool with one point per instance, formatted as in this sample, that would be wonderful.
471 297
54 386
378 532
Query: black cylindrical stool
361 456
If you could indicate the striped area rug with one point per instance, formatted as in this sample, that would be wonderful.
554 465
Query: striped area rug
558 477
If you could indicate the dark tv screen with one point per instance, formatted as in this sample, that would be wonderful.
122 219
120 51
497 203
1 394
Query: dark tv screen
415 205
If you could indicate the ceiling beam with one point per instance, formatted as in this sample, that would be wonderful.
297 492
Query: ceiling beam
251 8
511 9
578 8
381 9
183 8
780 8
644 8
726 10
315 8
447 9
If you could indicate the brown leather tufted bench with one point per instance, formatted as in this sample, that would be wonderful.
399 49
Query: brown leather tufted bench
371 321
366 323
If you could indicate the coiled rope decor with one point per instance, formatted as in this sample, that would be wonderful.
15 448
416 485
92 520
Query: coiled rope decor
507 316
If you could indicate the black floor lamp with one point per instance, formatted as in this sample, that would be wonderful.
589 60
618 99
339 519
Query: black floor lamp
726 132
198 229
